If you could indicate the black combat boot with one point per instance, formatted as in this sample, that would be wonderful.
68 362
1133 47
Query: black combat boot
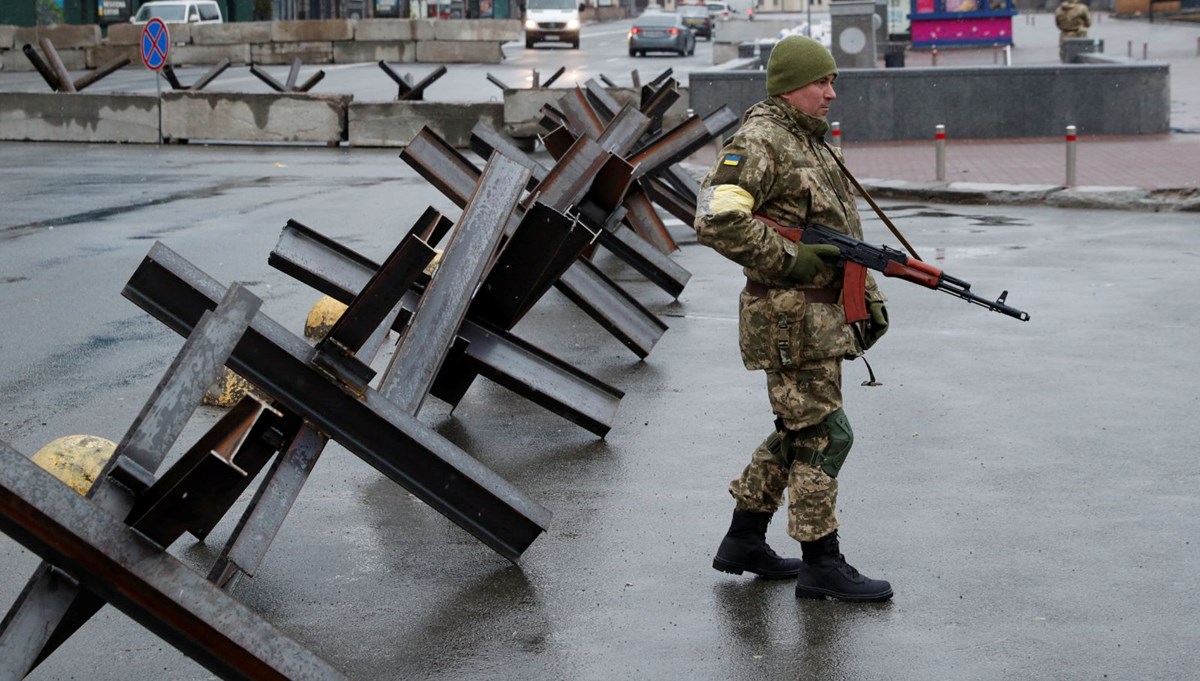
745 549
827 574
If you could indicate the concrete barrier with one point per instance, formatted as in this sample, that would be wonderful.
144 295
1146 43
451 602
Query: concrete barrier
239 33
64 36
285 53
240 117
395 124
458 41
312 30
54 117
880 105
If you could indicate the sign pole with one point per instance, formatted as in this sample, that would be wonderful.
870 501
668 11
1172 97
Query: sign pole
158 92
156 46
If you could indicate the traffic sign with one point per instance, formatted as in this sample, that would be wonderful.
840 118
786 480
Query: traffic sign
156 43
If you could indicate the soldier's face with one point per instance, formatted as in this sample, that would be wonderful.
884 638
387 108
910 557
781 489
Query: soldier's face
814 98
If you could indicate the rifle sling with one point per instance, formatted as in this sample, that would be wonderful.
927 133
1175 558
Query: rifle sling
878 211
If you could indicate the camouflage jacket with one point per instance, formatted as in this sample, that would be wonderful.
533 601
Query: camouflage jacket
780 169
1073 19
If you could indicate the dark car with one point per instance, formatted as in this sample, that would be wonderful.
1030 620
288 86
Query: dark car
696 18
661 32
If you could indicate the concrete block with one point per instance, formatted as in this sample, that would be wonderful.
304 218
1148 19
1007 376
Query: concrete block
285 53
52 117
202 55
64 36
8 37
14 60
361 52
104 54
131 34
424 29
312 30
231 34
371 30
242 117
494 30
394 124
458 52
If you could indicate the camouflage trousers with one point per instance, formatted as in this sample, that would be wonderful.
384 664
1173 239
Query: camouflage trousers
802 396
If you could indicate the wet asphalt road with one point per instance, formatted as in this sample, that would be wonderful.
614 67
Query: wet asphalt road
1028 488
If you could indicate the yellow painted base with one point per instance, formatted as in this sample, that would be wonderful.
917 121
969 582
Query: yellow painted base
76 459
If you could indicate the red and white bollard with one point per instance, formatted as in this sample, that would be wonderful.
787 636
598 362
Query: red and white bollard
835 130
939 143
1071 139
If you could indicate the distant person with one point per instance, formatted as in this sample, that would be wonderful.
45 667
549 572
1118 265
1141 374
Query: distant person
778 170
1073 20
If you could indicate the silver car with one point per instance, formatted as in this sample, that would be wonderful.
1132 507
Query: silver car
661 32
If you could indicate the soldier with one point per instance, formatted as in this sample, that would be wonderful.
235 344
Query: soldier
777 169
1073 20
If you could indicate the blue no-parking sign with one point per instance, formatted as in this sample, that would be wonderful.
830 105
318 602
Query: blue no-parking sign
156 43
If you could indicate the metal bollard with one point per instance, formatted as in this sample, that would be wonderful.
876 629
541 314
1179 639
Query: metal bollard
933 56
1129 50
1071 139
835 129
1008 55
939 143
1145 51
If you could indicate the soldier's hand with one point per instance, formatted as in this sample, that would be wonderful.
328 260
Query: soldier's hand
811 262
877 325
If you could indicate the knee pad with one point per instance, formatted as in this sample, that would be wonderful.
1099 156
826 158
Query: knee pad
841 439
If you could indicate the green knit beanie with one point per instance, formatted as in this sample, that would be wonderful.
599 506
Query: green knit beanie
795 62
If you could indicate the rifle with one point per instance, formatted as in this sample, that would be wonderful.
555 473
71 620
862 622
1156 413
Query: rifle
893 263
858 256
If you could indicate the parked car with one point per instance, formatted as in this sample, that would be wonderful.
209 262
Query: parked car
720 11
696 18
180 12
661 32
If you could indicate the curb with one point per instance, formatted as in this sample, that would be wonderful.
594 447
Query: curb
1056 196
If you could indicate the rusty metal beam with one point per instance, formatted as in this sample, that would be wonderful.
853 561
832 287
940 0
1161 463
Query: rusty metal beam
420 354
493 352
372 427
600 297
147 584
43 617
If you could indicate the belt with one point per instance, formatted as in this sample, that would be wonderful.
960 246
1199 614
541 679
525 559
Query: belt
812 294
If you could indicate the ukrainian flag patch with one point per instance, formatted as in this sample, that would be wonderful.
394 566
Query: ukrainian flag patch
731 160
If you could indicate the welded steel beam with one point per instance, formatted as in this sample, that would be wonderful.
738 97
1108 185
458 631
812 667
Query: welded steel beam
601 298
465 261
336 352
371 426
629 322
679 142
149 585
493 352
580 115
608 189
49 610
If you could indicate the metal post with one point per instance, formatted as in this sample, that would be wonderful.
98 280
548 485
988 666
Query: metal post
1129 49
1071 138
835 129
933 57
1145 51
939 138
1008 55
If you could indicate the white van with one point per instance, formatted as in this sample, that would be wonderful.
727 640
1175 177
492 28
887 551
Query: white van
552 20
180 12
